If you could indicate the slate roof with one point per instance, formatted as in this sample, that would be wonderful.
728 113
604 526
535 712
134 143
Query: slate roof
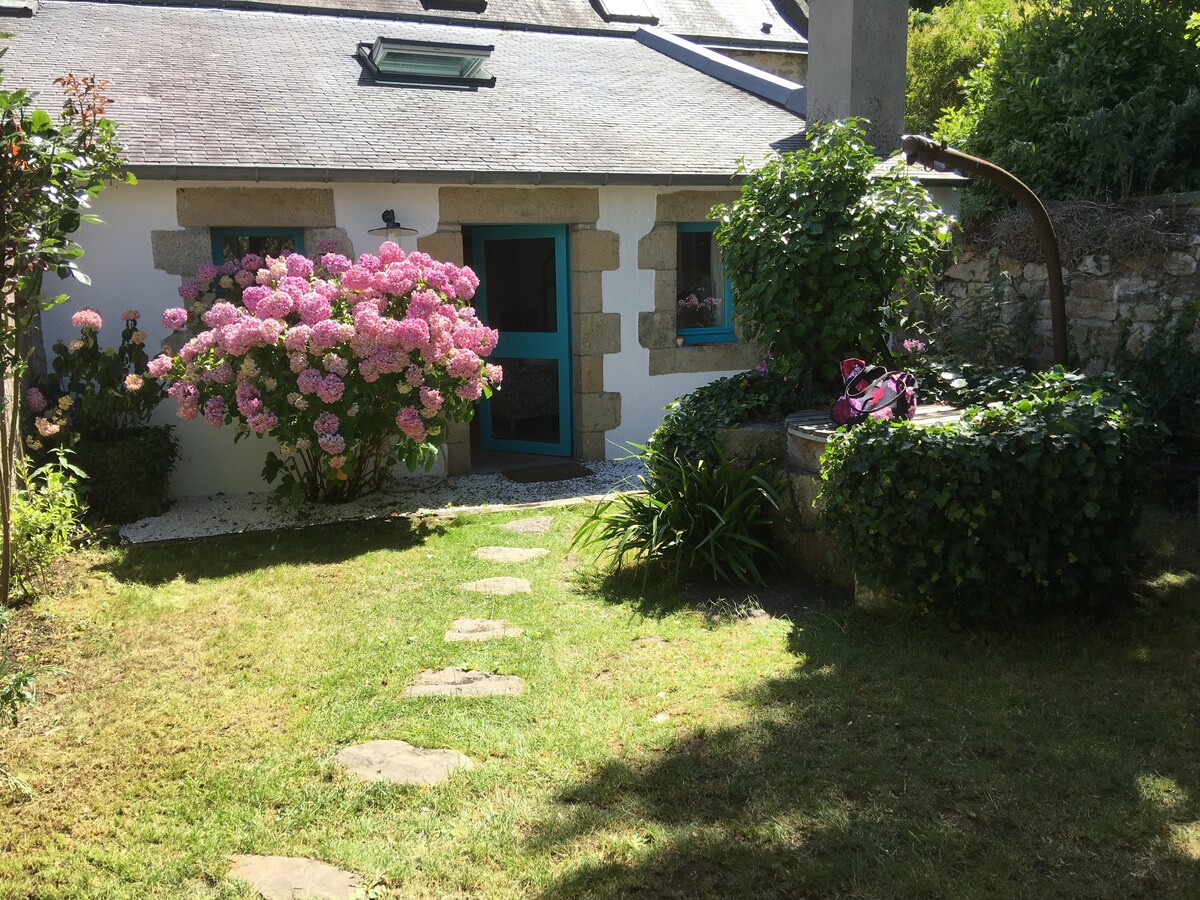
720 21
268 95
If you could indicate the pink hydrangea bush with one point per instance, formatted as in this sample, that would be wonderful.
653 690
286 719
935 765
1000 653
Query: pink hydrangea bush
353 366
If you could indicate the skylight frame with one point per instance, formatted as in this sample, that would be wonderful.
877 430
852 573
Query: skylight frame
372 56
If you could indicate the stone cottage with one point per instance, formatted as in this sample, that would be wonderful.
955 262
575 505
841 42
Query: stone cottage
568 151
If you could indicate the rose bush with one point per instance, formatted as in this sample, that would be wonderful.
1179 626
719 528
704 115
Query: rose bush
353 366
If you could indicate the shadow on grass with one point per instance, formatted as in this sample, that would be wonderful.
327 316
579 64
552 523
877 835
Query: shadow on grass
217 557
901 759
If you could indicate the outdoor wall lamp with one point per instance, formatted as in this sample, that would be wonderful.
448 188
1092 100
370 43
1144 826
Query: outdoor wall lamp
390 229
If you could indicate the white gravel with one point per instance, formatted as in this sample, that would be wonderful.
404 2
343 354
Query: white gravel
193 517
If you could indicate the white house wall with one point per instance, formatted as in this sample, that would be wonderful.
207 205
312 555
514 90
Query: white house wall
119 261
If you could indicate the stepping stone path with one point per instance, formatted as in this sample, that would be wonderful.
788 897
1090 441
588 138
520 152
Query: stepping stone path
288 877
453 682
480 630
503 585
536 525
397 762
509 554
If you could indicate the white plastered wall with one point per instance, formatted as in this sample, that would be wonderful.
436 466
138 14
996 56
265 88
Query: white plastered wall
630 212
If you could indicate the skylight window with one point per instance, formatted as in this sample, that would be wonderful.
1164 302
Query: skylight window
627 11
475 6
425 62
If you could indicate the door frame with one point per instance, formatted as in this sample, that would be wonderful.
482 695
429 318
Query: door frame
533 345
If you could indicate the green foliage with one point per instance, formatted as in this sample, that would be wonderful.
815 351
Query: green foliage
1163 372
129 472
689 428
47 517
818 244
1096 99
107 390
1025 507
50 169
945 45
689 515
16 686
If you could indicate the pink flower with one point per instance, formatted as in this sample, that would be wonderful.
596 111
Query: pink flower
130 315
335 364
329 245
35 400
262 422
431 399
86 318
45 427
409 421
159 366
325 334
308 381
244 278
333 444
214 412
335 263
493 373
330 389
207 272
252 261
299 266
222 313
175 318
337 462
133 382
249 400
189 291
326 423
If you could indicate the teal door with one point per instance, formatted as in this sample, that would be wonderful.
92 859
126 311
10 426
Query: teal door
522 293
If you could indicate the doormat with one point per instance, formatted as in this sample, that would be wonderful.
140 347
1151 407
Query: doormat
559 472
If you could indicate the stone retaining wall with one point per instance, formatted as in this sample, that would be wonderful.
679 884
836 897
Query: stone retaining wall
1101 291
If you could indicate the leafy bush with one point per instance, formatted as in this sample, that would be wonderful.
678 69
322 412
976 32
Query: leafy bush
16 684
1023 507
97 402
689 428
689 514
818 244
944 45
1163 372
1090 99
134 470
47 517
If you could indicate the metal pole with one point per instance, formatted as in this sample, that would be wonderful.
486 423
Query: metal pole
924 150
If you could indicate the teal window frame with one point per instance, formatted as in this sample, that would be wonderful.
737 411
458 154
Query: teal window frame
716 334
219 235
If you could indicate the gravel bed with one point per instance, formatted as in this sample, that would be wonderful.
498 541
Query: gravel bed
194 517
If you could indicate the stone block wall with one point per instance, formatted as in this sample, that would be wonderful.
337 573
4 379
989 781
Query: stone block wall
1102 291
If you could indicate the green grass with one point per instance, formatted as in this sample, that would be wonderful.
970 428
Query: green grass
201 690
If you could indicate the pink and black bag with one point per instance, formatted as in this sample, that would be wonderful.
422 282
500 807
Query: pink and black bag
874 391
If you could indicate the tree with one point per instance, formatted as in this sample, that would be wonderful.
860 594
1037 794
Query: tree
49 172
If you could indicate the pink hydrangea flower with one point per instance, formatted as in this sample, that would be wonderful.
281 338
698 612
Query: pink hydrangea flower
159 366
45 427
333 444
87 318
214 411
189 291
207 272
130 315
133 382
175 318
261 423
35 400
326 423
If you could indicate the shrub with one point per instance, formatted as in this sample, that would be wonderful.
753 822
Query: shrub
689 515
1163 372
47 517
97 402
1024 507
817 245
354 367
945 45
1094 99
689 428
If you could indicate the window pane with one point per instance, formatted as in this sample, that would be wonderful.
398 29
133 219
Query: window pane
522 286
237 246
700 282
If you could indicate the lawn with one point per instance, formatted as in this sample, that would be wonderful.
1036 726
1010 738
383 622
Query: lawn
200 691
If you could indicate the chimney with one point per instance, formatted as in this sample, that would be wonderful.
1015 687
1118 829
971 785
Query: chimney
856 65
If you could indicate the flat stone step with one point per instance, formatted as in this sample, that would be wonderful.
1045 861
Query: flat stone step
502 585
534 525
293 877
509 554
398 762
455 682
481 630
